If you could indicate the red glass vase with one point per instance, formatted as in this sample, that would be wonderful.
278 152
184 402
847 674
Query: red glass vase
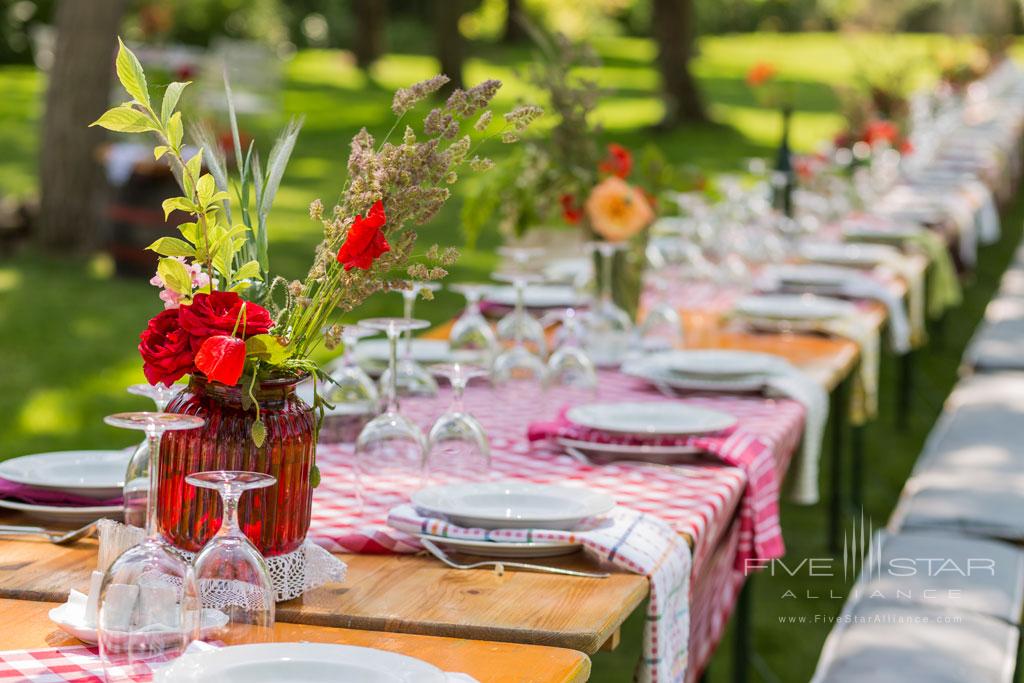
276 518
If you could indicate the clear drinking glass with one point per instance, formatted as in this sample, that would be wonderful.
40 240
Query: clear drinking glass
518 326
471 335
413 379
662 326
149 604
391 444
136 476
457 446
231 574
569 366
352 386
609 327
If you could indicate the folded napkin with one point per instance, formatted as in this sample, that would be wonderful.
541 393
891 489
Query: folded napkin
759 508
854 285
628 539
37 496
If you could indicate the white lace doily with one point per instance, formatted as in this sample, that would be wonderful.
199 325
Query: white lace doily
292 574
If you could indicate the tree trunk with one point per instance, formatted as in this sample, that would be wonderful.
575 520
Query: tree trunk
514 32
674 30
73 188
449 41
371 20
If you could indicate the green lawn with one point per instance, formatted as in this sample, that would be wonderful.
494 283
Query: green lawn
68 330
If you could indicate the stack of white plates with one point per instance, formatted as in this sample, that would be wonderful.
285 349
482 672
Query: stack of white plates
511 505
538 296
772 309
85 475
374 354
634 429
848 254
706 370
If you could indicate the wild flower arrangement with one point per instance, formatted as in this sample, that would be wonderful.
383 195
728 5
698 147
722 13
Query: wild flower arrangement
225 316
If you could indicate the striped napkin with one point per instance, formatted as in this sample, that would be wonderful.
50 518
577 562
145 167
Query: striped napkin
628 539
760 534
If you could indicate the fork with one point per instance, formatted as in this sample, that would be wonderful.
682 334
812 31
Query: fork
55 537
440 554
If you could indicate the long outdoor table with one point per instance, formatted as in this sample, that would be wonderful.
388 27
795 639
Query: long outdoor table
29 627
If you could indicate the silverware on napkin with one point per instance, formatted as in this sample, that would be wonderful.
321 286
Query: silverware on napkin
440 554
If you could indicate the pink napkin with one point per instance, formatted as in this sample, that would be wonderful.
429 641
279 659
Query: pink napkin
36 496
760 532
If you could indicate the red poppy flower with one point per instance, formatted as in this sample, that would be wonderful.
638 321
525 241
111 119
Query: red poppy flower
164 346
365 240
881 130
619 161
572 213
222 358
218 313
761 73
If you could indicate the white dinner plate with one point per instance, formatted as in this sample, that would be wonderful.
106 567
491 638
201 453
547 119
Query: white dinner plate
65 515
93 474
793 307
306 662
569 270
504 549
706 369
512 504
813 274
424 351
848 254
538 296
650 418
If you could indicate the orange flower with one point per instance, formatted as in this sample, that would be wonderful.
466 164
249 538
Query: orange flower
617 210
761 73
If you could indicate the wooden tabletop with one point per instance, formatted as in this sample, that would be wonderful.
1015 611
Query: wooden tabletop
488 662
394 593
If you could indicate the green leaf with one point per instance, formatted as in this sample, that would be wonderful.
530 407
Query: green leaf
179 203
171 98
240 287
205 189
159 151
172 246
176 276
314 476
267 347
248 271
195 165
131 75
190 231
124 119
259 433
174 130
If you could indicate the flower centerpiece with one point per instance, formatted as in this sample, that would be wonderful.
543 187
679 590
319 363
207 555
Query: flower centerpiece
245 338
565 180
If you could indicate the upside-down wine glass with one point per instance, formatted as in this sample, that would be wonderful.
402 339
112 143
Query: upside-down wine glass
136 476
518 326
352 387
231 574
391 445
413 379
149 603
609 327
457 446
471 335
569 367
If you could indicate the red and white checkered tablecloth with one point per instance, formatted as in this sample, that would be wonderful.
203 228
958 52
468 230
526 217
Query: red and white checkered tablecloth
71 664
696 499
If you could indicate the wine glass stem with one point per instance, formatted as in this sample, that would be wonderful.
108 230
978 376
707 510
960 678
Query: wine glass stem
458 389
392 385
229 495
473 303
409 300
520 312
153 443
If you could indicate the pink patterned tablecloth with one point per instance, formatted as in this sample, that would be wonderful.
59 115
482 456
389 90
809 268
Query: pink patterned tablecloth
697 499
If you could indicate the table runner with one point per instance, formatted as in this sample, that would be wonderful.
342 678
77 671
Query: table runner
695 499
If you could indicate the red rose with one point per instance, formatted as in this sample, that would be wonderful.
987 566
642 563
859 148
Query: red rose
218 313
365 241
619 161
572 213
165 349
221 359
881 131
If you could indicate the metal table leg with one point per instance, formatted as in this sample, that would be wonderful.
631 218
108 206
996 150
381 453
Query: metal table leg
743 646
905 390
839 413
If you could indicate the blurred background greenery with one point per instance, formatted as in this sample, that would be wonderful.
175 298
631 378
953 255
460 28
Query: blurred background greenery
69 322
